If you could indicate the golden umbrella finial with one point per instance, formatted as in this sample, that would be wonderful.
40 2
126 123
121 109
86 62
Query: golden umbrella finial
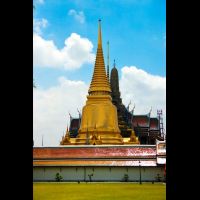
99 34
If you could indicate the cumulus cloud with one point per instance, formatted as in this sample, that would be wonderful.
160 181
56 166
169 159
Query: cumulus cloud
38 24
78 16
76 52
143 89
51 107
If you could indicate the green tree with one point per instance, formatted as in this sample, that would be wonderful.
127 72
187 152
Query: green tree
58 177
126 177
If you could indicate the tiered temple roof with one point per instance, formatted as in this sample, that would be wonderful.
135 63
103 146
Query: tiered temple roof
141 120
154 123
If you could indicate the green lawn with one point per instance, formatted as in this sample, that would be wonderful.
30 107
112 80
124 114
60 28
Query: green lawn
99 191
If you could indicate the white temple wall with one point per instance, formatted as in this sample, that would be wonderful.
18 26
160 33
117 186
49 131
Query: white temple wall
98 173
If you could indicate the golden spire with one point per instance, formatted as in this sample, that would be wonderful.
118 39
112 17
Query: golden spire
99 83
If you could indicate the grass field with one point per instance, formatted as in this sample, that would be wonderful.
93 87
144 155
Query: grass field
99 191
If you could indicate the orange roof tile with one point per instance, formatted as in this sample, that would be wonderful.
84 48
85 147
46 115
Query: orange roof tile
91 152
141 120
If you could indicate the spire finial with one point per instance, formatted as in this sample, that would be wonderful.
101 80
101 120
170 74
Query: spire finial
99 34
150 110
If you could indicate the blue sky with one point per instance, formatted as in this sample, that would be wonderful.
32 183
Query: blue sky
136 30
64 48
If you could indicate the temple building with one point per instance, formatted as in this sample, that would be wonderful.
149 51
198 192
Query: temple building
148 129
99 121
104 143
144 127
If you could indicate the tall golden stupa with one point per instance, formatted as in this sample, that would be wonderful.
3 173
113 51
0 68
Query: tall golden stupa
99 123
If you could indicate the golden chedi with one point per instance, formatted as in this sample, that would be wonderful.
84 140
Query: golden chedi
99 123
66 139
133 139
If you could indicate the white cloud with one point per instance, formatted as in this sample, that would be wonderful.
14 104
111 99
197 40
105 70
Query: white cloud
51 107
76 52
78 16
38 24
143 89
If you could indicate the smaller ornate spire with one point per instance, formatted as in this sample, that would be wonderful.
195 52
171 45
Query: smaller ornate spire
150 111
67 135
114 64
